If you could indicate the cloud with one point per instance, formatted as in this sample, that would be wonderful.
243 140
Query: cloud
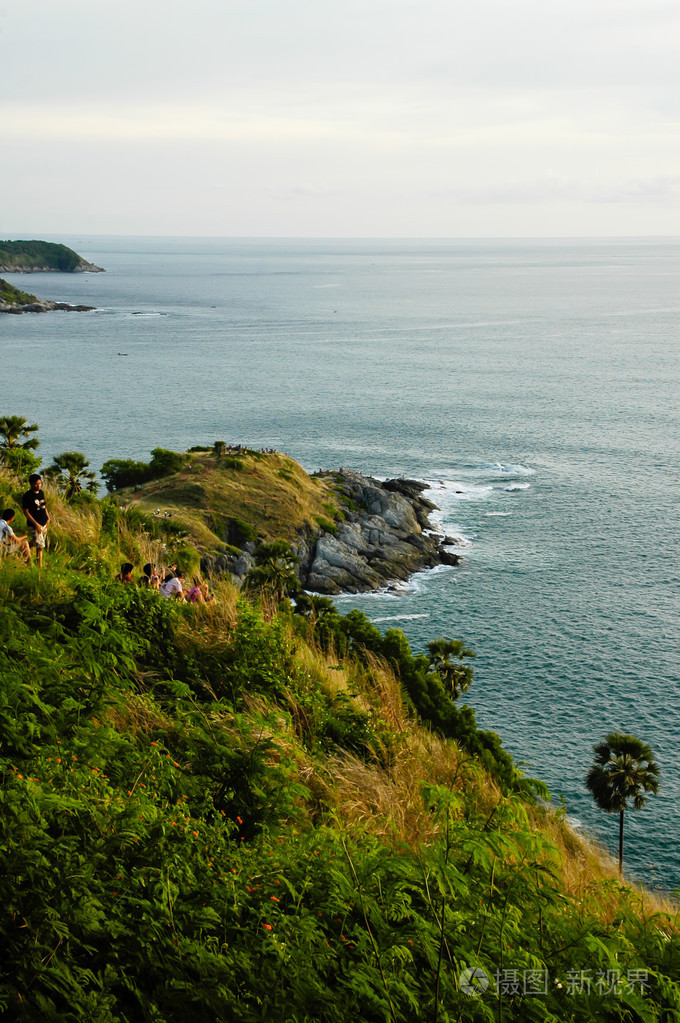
555 187
369 107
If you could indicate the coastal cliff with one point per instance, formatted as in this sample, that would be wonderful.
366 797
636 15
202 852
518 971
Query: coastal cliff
250 809
350 533
254 809
384 536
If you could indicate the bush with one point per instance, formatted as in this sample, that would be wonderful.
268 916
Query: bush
124 472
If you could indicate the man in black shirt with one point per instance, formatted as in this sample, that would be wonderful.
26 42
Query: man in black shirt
37 515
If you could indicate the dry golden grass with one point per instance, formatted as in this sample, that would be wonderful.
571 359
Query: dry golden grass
135 714
216 621
590 874
270 492
71 524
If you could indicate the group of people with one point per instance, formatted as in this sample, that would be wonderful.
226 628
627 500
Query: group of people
171 586
37 518
34 508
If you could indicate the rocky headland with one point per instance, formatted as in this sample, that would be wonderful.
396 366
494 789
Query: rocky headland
381 534
349 532
38 257
38 305
30 257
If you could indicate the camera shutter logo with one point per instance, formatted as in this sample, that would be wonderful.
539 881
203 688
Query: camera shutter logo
474 981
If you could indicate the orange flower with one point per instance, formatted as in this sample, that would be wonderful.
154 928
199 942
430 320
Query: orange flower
267 927
274 899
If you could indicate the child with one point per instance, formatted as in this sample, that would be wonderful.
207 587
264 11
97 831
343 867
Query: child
8 536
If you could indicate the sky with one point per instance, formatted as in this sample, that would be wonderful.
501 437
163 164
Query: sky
366 118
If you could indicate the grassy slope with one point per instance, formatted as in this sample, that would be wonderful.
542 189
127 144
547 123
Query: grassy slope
270 492
205 815
13 296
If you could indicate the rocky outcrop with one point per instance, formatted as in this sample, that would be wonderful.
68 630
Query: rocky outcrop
43 306
82 267
382 534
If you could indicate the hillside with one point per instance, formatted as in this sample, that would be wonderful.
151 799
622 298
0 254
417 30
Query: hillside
249 810
40 257
11 296
349 532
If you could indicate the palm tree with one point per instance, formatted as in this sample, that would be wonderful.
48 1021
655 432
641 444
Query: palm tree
624 768
446 658
70 472
13 433
17 445
274 569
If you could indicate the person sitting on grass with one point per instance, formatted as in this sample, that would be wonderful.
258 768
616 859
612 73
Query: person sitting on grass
195 594
150 578
9 538
125 574
172 586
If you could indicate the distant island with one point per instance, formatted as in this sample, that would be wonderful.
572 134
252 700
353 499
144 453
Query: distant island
28 257
38 257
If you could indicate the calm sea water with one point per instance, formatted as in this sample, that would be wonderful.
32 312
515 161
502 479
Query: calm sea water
534 384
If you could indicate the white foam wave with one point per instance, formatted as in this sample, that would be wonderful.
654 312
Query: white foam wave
456 490
499 469
512 487
397 618
497 515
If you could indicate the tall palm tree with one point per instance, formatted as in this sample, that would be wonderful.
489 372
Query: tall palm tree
623 769
70 471
447 659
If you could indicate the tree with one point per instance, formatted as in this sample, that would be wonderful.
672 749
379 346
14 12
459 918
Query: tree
70 471
446 658
623 769
15 433
17 445
274 570
219 447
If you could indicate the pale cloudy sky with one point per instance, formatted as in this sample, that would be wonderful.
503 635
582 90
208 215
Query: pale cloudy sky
361 118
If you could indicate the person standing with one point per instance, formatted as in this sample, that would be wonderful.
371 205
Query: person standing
37 515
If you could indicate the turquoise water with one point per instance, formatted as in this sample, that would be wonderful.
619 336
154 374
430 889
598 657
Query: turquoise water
534 384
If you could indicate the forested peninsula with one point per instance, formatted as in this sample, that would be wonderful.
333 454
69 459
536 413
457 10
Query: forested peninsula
257 808
42 257
38 257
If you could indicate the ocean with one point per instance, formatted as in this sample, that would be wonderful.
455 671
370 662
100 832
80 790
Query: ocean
533 384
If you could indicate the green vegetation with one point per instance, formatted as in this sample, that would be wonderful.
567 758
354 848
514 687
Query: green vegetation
38 254
9 295
118 473
253 811
17 445
267 497
447 658
70 471
623 769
